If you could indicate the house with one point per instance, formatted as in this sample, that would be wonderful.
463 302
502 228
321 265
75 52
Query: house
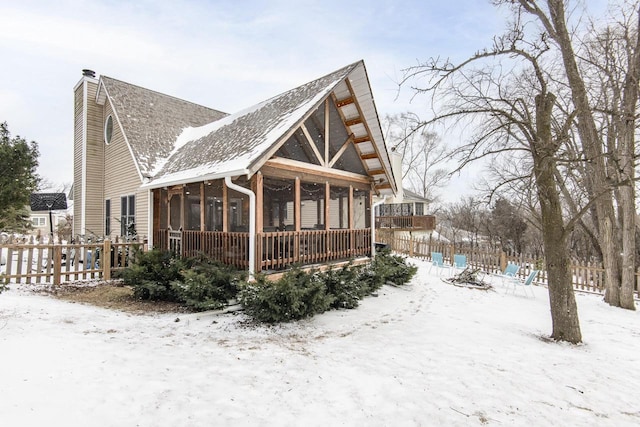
288 181
405 212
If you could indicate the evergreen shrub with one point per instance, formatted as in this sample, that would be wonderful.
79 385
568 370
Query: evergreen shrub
206 284
299 294
151 275
296 295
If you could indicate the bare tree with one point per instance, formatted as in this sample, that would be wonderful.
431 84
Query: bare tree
607 166
506 94
423 154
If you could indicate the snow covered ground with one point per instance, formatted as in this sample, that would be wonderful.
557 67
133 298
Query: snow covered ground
428 354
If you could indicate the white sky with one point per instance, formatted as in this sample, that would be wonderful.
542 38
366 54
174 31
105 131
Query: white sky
226 55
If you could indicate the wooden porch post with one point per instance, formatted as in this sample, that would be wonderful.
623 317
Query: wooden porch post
327 200
297 209
203 199
352 242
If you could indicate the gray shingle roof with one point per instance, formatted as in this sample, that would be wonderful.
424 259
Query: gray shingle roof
235 142
152 121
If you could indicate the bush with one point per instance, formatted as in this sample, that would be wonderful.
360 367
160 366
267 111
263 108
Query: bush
152 274
392 269
207 285
295 296
345 286
298 294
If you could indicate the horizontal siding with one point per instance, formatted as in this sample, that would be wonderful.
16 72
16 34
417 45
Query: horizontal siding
77 158
95 165
122 179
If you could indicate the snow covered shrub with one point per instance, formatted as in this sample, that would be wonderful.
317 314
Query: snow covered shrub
295 296
392 269
207 284
151 275
345 286
3 286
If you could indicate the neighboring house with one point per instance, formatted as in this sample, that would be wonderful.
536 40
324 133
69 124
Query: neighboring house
404 213
289 180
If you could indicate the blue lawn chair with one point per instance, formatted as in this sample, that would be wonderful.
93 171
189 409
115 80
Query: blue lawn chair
526 284
459 262
509 274
437 260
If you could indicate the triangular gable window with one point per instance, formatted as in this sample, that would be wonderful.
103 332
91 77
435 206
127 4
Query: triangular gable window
307 144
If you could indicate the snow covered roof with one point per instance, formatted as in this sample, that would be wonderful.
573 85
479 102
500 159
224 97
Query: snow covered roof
177 142
151 121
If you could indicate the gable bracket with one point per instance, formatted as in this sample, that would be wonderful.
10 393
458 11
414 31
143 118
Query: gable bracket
341 151
345 101
312 144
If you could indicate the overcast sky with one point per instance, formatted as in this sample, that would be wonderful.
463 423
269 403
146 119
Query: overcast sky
226 55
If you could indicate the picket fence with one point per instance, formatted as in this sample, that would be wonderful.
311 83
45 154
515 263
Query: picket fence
587 276
38 262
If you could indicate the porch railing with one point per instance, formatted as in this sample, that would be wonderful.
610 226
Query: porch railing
415 222
274 250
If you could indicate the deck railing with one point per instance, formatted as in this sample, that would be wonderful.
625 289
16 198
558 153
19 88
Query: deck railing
415 222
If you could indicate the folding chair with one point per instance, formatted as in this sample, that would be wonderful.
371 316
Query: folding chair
459 262
437 261
509 274
526 284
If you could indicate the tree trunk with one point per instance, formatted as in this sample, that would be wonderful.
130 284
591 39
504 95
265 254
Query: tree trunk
597 176
564 310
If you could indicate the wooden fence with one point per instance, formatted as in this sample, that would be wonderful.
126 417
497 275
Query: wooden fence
46 263
587 276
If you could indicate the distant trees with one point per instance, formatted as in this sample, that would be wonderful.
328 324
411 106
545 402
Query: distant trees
423 154
18 179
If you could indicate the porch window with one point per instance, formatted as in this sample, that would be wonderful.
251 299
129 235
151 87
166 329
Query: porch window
107 217
312 205
278 212
419 208
192 207
213 205
175 207
339 207
127 215
361 209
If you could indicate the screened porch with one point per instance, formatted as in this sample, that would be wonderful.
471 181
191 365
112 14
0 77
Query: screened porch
298 220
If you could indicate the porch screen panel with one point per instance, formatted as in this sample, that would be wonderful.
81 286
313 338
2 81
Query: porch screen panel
238 208
278 212
312 206
349 160
361 209
297 148
163 212
192 207
175 205
339 207
213 205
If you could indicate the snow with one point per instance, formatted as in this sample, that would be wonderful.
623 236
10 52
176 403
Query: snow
425 354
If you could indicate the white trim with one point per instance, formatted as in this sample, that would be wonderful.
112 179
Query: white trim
211 176
85 114
373 224
150 219
110 116
252 222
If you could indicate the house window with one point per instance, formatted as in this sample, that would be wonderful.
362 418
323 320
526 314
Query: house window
107 217
38 221
108 130
128 216
419 208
